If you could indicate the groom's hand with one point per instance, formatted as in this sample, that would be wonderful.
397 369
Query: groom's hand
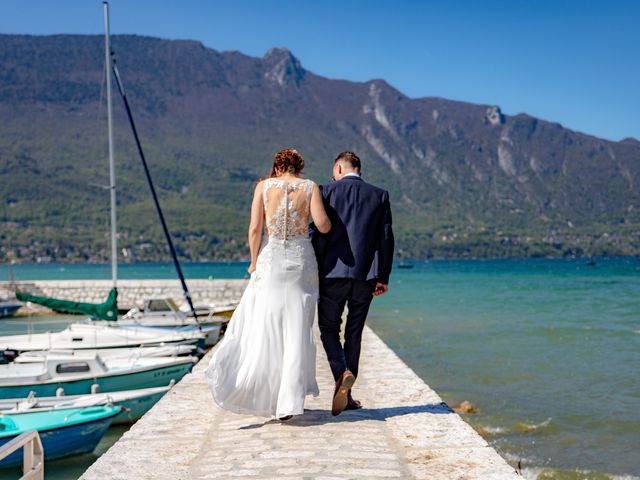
381 289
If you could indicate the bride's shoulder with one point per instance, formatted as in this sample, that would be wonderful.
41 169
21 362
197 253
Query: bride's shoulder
261 185
264 182
309 184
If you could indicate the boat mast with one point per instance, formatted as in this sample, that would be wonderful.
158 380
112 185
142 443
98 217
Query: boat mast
112 169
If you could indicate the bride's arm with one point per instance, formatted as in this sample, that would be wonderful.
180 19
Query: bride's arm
318 213
255 226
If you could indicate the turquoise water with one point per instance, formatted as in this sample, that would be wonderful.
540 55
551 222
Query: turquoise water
547 350
94 271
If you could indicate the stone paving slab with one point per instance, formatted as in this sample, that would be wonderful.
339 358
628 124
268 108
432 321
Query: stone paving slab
405 431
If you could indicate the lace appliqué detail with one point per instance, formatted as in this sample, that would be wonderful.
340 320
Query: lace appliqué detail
287 244
287 208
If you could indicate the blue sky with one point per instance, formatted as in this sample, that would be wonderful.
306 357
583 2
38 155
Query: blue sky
575 62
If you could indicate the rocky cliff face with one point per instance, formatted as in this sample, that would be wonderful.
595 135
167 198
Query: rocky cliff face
465 179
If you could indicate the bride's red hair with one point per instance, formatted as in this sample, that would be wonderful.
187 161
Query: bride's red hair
287 161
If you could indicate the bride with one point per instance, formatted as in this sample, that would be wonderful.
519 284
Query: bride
265 364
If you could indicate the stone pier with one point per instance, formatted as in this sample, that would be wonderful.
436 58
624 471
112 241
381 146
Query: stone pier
405 431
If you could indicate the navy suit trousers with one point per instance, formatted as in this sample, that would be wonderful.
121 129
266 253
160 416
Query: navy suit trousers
335 293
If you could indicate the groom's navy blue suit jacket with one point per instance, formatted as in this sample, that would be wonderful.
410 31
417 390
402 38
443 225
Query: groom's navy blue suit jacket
360 243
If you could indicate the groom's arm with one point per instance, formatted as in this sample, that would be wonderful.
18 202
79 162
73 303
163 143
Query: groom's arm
386 243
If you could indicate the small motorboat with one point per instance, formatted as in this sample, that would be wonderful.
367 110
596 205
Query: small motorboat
134 403
8 307
215 309
90 335
162 312
63 432
55 374
173 350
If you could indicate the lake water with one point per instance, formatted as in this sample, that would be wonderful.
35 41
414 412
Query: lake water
547 350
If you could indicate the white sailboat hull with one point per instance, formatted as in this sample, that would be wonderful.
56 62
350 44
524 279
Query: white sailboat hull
79 336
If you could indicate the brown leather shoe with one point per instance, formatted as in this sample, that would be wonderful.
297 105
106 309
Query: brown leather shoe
341 393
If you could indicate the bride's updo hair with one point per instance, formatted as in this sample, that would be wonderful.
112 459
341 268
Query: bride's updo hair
287 161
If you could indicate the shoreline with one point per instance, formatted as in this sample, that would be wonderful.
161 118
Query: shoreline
105 263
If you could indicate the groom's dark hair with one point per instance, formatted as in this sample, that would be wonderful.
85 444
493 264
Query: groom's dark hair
349 157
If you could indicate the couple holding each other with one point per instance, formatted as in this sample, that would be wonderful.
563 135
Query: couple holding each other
265 364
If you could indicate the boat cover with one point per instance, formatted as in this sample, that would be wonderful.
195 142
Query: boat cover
102 311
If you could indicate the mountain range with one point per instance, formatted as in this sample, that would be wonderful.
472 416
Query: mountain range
465 180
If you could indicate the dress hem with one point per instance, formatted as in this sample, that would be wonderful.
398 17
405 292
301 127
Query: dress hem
265 414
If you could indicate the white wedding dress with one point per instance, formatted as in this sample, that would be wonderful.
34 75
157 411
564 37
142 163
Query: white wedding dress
265 364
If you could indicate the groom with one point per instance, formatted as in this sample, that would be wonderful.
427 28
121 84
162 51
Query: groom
354 261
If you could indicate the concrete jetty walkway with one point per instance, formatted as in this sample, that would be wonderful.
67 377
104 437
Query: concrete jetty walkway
404 431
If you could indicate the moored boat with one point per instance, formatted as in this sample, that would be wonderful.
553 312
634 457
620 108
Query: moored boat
162 312
218 309
8 307
134 403
210 333
63 432
80 336
172 350
78 374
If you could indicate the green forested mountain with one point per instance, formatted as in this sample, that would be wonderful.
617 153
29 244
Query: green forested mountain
465 179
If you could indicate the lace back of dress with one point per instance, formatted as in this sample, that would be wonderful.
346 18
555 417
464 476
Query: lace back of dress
287 206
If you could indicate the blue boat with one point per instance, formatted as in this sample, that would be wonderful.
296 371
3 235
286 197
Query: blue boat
8 307
134 403
62 432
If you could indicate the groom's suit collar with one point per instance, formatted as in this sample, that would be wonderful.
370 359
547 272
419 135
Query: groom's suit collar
351 177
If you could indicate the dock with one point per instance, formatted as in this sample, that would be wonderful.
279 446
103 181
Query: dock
405 431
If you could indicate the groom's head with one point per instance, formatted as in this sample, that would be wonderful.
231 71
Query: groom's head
345 163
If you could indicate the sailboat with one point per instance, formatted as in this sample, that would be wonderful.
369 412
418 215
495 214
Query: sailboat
109 309
89 336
